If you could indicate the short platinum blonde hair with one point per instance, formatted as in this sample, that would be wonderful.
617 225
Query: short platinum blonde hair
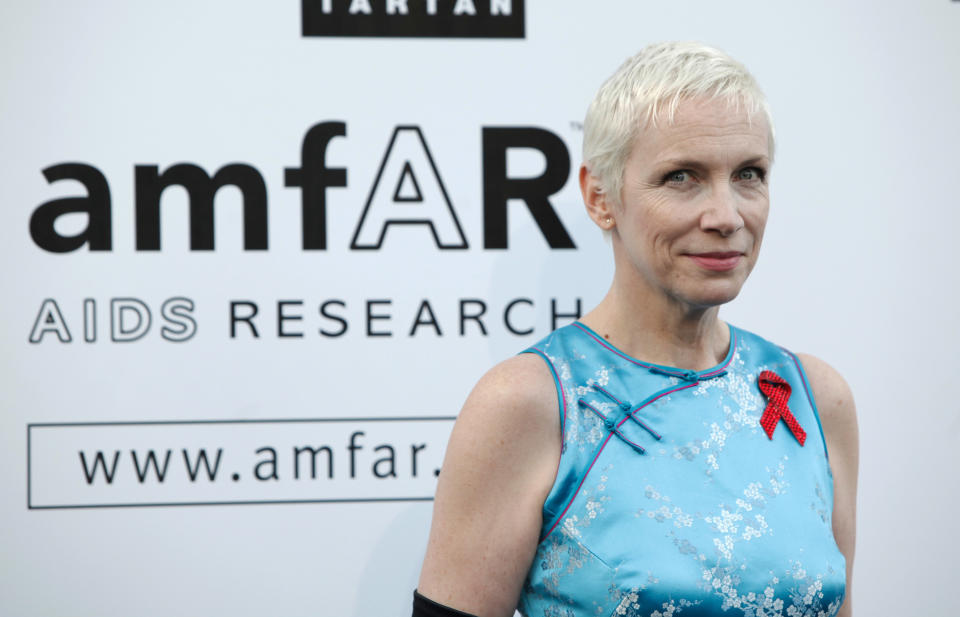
648 87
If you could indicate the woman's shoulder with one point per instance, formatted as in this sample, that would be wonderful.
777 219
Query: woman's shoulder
517 393
833 396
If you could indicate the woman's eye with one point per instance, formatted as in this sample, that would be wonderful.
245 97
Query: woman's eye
750 174
677 177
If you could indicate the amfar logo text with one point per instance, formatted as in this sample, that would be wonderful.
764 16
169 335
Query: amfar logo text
414 18
408 190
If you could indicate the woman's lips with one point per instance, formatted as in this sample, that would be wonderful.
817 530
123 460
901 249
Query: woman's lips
718 262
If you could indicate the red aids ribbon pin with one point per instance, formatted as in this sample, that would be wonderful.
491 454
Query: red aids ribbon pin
777 392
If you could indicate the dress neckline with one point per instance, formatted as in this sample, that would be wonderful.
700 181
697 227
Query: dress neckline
672 371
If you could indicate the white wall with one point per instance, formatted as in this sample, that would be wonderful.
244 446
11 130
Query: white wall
857 268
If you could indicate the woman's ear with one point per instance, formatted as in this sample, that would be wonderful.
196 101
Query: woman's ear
596 201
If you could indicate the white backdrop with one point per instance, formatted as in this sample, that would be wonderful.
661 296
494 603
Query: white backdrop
857 268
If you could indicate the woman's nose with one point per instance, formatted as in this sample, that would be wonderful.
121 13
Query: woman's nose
721 212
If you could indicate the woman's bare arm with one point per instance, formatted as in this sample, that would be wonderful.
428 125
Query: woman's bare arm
839 419
500 464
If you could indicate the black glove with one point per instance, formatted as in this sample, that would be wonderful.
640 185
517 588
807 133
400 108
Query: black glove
425 607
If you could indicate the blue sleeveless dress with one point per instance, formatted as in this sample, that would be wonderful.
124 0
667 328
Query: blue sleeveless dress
670 498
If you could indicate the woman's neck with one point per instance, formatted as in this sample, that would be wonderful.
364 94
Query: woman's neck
656 329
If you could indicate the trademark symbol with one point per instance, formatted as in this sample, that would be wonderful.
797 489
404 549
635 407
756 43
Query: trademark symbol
578 126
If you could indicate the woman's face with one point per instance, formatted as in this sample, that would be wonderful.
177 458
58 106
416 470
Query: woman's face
694 203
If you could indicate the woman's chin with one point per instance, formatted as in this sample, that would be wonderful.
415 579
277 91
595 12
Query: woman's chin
712 294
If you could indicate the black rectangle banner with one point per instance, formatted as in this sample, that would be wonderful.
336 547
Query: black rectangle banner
414 18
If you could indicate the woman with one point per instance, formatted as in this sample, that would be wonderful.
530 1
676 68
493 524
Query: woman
686 471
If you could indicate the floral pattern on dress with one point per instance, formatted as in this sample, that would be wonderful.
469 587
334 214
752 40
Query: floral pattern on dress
711 517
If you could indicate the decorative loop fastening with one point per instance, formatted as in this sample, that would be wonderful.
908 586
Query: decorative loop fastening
625 406
691 376
611 425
